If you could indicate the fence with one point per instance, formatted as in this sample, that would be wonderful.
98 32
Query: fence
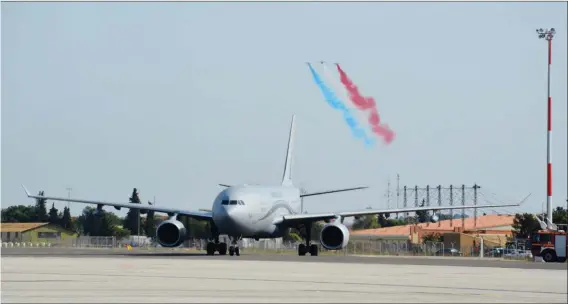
386 248
279 246
80 242
355 247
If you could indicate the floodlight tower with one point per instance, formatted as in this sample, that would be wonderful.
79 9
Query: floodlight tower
548 34
69 189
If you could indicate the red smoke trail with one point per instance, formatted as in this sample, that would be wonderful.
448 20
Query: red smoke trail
366 103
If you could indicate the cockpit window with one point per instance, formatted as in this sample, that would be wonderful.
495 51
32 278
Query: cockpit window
232 202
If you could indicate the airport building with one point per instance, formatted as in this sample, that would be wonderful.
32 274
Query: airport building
34 232
495 230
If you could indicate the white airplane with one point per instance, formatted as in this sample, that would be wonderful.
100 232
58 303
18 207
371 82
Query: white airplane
260 211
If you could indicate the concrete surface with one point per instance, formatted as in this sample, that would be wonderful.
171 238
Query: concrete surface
200 256
165 280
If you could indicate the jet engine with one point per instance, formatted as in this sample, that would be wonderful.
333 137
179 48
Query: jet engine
334 236
170 233
434 218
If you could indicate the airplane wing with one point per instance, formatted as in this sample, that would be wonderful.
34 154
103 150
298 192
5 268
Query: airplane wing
303 218
199 215
293 219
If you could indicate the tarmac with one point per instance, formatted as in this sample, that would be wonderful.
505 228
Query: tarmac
107 279
274 257
101 276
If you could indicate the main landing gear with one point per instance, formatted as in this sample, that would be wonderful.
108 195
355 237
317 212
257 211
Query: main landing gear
221 247
234 248
313 249
215 245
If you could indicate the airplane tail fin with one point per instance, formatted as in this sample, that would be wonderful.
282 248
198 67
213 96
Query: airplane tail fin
287 176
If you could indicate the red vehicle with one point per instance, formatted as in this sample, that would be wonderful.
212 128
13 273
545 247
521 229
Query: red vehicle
550 245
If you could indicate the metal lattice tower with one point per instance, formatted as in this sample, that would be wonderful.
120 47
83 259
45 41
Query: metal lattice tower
443 196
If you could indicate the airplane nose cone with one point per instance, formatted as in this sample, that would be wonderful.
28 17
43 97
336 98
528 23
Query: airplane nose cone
232 214
228 218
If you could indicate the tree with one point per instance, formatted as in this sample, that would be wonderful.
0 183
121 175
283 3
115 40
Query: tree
433 237
383 220
19 214
525 224
422 216
294 235
86 221
53 215
291 236
104 224
132 218
560 215
110 225
41 210
120 233
442 217
366 222
395 222
149 224
198 229
66 221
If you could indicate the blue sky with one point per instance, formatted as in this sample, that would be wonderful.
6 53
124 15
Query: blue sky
173 98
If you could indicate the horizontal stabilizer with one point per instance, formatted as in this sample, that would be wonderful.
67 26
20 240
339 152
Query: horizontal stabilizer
332 191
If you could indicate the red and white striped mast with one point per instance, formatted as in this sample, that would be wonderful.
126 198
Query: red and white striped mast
548 34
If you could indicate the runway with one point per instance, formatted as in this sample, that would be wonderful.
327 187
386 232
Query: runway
192 279
275 257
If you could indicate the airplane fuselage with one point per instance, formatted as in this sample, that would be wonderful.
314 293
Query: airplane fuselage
249 211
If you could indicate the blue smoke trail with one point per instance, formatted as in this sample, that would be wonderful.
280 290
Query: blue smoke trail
337 104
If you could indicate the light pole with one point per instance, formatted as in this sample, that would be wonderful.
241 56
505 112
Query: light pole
138 220
68 196
481 249
302 191
548 34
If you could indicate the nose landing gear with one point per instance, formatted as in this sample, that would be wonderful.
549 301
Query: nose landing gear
234 248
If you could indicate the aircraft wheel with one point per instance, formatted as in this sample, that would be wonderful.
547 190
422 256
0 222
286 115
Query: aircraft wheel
222 248
237 251
210 248
314 249
302 249
231 250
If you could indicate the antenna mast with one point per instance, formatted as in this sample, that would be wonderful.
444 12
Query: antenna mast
397 189
389 194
